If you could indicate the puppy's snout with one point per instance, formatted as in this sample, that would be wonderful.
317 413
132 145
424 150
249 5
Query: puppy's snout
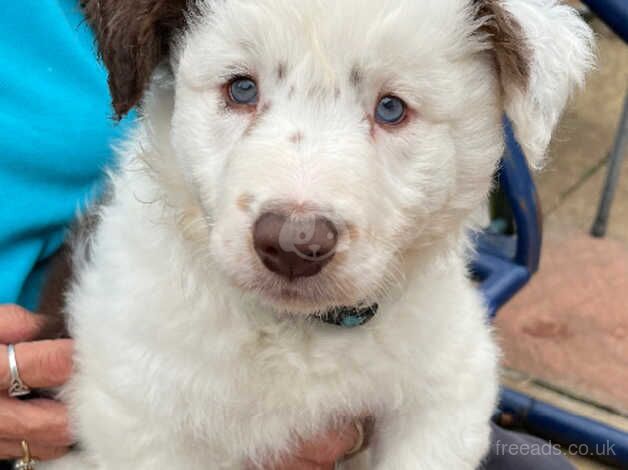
294 247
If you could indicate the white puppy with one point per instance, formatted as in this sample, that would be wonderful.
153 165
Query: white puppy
299 164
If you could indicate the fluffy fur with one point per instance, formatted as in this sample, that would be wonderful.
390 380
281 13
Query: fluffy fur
189 353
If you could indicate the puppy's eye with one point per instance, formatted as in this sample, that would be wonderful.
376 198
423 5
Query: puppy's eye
390 110
243 90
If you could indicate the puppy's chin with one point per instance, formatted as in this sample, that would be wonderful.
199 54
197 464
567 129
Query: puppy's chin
296 300
301 297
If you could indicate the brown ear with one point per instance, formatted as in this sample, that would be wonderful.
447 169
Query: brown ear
133 37
543 50
510 46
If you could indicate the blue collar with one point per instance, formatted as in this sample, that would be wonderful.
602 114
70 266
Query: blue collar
350 317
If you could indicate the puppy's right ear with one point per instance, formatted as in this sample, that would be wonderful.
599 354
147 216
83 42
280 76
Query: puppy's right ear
133 37
543 49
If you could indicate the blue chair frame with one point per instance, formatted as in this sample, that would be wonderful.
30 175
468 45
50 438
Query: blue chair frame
505 263
612 12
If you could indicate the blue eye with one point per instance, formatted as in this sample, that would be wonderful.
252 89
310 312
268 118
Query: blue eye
243 90
390 110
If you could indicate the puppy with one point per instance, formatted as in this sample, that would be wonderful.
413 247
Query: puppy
285 242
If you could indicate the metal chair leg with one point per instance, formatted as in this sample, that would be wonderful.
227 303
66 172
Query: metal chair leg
612 178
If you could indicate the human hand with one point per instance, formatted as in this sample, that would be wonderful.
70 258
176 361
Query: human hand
323 452
42 423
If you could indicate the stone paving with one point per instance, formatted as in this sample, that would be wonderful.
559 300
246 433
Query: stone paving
569 187
569 327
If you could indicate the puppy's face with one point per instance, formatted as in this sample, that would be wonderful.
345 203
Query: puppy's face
329 145
329 140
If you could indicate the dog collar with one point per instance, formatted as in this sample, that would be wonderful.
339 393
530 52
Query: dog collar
349 317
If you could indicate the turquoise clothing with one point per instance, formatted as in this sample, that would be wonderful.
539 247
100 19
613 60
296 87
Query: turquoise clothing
56 133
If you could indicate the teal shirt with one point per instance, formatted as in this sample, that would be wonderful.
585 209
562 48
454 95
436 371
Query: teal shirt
56 133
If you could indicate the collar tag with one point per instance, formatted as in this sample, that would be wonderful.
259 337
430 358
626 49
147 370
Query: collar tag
350 317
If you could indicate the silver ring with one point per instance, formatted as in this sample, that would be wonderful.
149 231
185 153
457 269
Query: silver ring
17 388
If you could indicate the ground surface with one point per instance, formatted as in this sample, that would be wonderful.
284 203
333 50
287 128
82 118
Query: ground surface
565 336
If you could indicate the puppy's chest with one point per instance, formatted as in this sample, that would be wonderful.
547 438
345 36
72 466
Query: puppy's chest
266 376
312 367
316 360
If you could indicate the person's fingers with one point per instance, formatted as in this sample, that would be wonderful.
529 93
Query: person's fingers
18 325
332 446
41 422
294 463
300 464
41 364
10 450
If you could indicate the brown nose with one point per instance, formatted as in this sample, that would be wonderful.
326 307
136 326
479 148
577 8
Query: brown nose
293 247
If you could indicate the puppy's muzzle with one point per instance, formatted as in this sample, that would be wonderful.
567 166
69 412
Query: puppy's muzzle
294 246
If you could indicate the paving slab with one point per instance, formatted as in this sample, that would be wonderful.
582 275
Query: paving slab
565 335
575 213
569 325
585 134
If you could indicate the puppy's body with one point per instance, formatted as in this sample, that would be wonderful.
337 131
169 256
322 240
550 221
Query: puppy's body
190 353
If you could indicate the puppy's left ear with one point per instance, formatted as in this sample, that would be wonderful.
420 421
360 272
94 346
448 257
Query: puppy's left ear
133 37
543 50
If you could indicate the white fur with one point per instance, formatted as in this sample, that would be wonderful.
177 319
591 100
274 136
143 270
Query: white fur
190 355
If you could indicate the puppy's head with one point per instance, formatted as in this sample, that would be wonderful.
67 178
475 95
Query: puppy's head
330 144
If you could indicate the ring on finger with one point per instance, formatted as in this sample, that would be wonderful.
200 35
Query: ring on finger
359 443
17 387
26 462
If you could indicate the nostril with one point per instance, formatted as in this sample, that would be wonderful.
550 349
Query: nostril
270 250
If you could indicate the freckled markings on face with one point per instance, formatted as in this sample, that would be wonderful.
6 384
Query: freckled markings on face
296 138
281 71
262 109
244 202
368 118
355 77
353 231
